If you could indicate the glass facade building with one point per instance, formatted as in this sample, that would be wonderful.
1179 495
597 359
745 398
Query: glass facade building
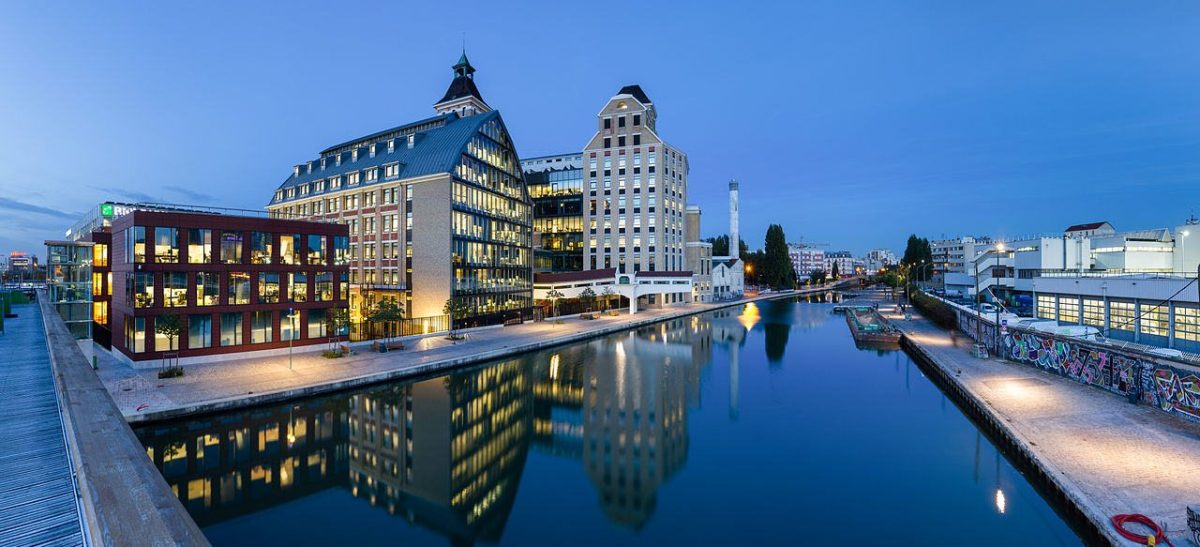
436 210
556 189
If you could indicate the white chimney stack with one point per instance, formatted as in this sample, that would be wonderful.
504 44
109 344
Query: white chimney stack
735 245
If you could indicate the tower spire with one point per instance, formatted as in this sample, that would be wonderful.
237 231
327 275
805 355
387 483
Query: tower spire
462 97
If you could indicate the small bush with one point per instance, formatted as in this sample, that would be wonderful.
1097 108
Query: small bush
171 372
332 354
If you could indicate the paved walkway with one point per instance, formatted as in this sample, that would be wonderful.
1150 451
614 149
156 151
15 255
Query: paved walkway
38 504
141 396
1111 456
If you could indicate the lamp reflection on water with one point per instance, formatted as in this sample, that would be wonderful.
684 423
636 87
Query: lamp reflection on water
749 316
1001 502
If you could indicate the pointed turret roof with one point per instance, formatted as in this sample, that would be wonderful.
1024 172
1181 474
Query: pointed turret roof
464 82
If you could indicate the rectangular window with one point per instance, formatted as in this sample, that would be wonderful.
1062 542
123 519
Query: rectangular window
199 331
1120 316
1187 323
231 247
316 250
341 250
268 287
199 246
298 284
175 289
261 331
288 328
166 245
206 288
135 334
1068 309
231 329
316 323
100 312
135 245
289 248
239 288
99 255
261 245
139 289
323 290
1155 320
1093 312
1045 306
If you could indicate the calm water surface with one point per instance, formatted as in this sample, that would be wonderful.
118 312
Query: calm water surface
761 424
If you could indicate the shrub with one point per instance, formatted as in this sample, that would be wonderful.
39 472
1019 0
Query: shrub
171 372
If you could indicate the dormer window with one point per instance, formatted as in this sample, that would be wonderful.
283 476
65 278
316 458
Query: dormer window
354 155
310 167
352 179
372 175
278 195
391 170
322 164
391 145
296 171
412 139
338 160
372 151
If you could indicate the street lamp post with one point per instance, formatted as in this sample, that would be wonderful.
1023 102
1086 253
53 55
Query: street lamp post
996 326
292 334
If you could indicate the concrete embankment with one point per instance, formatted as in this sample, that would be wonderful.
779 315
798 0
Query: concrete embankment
1095 454
124 498
230 385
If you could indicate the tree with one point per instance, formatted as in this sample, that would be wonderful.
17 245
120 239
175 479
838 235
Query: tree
817 276
834 275
457 310
588 297
554 295
777 269
721 246
606 294
917 252
335 321
386 312
169 325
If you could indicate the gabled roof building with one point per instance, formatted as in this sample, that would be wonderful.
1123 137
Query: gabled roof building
437 210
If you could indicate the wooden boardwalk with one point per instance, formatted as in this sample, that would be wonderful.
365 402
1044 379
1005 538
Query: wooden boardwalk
38 503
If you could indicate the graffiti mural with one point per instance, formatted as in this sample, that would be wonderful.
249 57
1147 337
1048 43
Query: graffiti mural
1178 393
1141 379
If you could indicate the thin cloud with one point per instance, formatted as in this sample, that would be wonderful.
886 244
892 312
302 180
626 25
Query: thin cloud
190 194
15 205
125 193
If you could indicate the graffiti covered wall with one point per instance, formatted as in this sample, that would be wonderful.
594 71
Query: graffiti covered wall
1172 389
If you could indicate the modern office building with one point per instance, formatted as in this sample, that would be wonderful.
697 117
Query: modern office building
637 188
437 209
69 284
556 187
699 257
235 283
878 259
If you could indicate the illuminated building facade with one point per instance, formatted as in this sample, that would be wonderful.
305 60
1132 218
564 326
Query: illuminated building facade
437 209
636 191
556 188
236 283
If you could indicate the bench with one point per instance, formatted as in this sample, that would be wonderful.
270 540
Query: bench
513 321
588 315
384 348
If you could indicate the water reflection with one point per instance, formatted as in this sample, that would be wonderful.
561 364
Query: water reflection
590 443
447 453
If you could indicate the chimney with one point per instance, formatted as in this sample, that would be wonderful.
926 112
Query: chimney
734 240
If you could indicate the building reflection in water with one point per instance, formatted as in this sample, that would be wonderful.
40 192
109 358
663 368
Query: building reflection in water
448 453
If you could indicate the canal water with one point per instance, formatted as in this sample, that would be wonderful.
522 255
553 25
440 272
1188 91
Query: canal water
757 425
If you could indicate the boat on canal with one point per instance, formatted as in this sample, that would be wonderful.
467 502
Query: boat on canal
869 328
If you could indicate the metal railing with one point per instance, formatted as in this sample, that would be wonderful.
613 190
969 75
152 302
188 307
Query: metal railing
1105 274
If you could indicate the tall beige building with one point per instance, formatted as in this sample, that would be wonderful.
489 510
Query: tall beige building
634 207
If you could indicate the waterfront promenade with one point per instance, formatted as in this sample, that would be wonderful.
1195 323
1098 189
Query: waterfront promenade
1106 455
142 396
40 505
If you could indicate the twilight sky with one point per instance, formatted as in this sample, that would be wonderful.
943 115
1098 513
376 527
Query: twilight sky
850 123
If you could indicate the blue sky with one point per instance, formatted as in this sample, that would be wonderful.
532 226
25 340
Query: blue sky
851 123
